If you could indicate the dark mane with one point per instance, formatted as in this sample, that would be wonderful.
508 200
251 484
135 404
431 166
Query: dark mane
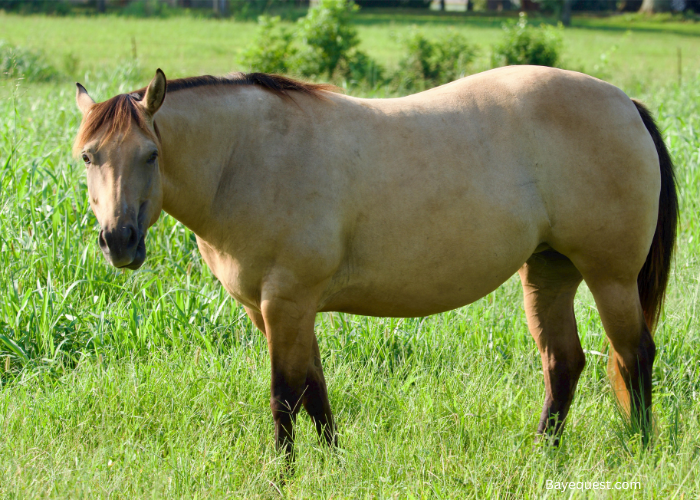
277 84
122 111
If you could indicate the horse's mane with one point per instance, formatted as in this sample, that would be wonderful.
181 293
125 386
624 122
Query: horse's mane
122 111
278 84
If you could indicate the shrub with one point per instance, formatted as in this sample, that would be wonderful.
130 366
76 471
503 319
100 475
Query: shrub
433 62
18 62
453 55
525 44
328 36
358 67
322 43
271 50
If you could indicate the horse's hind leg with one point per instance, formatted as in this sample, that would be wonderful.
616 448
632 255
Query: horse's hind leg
550 282
632 355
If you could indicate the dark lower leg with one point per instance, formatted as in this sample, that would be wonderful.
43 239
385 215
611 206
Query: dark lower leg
284 403
316 402
632 354
631 376
290 338
561 373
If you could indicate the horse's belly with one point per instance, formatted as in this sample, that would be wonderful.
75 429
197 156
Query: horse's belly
421 279
401 300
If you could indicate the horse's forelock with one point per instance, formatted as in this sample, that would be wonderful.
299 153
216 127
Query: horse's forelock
118 114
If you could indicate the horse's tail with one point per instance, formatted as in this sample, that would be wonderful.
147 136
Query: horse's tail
653 277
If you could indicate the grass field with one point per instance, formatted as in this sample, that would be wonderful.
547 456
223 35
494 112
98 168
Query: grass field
154 384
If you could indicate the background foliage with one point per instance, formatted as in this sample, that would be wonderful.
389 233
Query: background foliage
411 4
323 43
249 9
526 44
428 63
58 7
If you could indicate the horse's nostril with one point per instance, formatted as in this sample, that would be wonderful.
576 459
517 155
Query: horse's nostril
133 240
101 241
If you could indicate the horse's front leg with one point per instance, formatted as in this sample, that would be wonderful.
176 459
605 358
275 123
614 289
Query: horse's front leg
315 399
297 377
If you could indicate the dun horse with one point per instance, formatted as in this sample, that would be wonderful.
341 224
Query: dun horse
304 200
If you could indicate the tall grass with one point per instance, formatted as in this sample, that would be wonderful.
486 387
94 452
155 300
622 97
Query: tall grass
154 384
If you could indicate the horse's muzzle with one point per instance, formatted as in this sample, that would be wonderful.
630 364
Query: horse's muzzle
124 246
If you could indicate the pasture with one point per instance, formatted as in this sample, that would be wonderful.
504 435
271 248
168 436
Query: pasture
154 384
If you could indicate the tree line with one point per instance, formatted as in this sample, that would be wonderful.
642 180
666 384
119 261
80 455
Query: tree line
236 7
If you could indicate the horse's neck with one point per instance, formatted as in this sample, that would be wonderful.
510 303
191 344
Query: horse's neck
199 139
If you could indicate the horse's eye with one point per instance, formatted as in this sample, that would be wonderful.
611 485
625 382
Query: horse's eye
153 158
86 159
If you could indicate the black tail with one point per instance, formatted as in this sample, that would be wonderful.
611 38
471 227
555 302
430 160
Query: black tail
653 277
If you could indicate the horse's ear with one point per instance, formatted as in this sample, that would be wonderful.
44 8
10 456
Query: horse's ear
155 93
83 100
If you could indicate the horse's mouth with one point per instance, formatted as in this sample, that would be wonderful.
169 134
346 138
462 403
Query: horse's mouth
139 256
128 257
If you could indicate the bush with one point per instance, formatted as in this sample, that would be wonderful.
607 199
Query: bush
323 43
18 62
272 50
327 35
358 67
433 62
525 44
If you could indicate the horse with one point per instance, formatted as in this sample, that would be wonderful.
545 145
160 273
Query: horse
304 200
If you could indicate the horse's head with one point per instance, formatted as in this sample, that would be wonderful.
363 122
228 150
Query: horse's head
119 143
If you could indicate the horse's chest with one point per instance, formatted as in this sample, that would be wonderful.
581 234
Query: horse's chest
245 289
